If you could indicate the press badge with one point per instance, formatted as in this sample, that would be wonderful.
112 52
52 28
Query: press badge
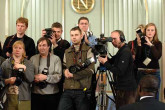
146 61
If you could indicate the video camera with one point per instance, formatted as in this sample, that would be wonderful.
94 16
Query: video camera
43 84
18 73
141 35
75 68
49 33
101 47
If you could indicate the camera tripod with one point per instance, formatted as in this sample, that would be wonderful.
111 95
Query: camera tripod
102 74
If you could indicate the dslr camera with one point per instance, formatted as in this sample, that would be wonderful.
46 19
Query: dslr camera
49 33
101 47
75 68
141 35
18 73
43 84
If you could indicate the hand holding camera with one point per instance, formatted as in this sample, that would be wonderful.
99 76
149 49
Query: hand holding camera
75 68
40 79
18 74
68 74
17 66
10 80
102 60
141 38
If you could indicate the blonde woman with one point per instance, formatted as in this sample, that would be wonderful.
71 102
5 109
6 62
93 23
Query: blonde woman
18 74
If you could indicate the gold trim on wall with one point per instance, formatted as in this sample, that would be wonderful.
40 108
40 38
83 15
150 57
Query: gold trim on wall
102 17
146 7
63 20
22 10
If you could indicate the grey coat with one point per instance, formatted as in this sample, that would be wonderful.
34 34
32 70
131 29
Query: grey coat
25 87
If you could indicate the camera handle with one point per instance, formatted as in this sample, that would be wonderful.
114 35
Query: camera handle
101 102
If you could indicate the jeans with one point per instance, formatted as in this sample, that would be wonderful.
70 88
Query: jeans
74 100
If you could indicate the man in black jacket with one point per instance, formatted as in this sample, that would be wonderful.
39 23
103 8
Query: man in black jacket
21 26
59 47
147 89
59 44
121 65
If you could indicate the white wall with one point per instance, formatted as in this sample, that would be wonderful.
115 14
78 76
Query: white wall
2 20
119 14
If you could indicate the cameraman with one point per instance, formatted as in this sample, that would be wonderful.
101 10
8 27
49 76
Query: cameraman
18 82
47 74
76 85
121 65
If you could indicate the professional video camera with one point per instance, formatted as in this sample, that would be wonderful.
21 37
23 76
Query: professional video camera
18 73
43 84
75 68
49 32
101 48
141 35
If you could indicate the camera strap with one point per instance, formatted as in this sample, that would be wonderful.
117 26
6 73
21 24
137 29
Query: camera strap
77 54
8 45
48 62
13 61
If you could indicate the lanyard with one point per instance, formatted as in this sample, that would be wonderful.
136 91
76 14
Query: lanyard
48 62
147 51
77 55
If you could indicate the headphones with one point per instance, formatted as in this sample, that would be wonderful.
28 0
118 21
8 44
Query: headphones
122 37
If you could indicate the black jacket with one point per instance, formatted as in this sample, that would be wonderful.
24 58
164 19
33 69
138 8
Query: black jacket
28 42
60 49
145 104
121 65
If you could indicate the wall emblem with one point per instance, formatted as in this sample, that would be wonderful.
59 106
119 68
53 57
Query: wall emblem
82 6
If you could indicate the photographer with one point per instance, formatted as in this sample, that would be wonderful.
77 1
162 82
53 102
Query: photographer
21 26
18 73
47 74
59 46
149 53
76 85
88 36
133 44
121 65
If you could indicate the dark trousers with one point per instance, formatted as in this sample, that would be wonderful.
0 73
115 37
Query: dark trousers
44 102
74 100
125 97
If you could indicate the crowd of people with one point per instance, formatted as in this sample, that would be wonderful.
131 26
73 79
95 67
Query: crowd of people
52 75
